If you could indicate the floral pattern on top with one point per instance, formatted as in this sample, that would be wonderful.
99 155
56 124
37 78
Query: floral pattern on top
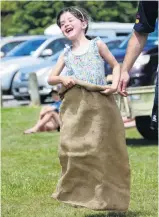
88 66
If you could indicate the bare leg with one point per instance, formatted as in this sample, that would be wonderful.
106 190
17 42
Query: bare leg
40 124
54 122
51 125
56 118
44 110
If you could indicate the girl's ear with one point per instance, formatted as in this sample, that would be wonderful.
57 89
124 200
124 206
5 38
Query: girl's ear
84 25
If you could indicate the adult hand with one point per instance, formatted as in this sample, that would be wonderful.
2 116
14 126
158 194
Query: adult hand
124 80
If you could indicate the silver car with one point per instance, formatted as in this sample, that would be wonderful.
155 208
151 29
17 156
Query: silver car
20 83
10 42
10 67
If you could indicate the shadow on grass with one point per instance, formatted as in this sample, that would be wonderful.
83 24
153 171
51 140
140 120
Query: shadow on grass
140 142
116 214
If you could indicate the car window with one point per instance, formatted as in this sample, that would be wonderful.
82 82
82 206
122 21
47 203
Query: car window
57 45
113 44
151 40
26 48
154 34
9 46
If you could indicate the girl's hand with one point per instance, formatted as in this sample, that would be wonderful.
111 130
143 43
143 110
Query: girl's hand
109 90
67 81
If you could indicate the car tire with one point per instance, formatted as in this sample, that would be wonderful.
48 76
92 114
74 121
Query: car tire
143 126
11 85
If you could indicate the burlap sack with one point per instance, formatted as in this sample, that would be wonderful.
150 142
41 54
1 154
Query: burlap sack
92 152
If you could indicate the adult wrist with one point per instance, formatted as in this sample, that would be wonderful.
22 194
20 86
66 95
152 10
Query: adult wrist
124 71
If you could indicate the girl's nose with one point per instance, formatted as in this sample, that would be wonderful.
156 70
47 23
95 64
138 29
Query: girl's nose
66 24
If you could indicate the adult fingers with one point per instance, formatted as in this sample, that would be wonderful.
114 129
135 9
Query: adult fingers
120 85
124 86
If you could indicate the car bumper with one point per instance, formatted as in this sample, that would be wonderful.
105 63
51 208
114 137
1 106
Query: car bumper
6 80
21 90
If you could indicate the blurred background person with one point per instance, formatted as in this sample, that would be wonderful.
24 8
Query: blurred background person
49 116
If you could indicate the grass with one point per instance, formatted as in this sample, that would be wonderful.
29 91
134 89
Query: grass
30 170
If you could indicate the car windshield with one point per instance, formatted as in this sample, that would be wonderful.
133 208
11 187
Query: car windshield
26 48
152 40
9 46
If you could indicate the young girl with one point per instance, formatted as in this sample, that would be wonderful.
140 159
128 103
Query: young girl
92 152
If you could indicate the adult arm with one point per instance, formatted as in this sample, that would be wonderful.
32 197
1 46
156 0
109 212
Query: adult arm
135 46
145 23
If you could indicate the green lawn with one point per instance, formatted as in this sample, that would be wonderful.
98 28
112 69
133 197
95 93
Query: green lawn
30 170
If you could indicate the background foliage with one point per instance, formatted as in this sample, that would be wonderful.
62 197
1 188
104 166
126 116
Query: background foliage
32 17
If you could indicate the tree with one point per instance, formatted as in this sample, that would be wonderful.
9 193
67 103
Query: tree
32 17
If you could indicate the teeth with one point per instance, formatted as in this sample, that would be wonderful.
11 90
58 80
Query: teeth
68 30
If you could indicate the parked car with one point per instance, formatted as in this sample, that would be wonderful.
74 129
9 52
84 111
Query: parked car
8 43
113 43
144 71
19 87
10 67
120 52
21 90
21 84
26 48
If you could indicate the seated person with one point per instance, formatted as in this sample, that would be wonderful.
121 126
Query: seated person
49 117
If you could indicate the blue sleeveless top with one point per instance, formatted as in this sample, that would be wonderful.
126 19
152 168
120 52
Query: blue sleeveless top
56 106
88 66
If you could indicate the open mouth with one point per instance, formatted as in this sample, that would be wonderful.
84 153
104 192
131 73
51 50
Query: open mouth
69 30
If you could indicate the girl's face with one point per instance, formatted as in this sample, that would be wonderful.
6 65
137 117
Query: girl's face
71 27
55 96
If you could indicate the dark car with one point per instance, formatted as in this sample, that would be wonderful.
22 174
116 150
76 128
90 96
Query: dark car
120 52
144 71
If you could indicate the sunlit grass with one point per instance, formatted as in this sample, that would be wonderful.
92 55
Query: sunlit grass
30 170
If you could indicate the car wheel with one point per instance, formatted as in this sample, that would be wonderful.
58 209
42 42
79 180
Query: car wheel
11 85
143 126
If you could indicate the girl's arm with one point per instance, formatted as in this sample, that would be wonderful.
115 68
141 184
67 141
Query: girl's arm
107 56
55 77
